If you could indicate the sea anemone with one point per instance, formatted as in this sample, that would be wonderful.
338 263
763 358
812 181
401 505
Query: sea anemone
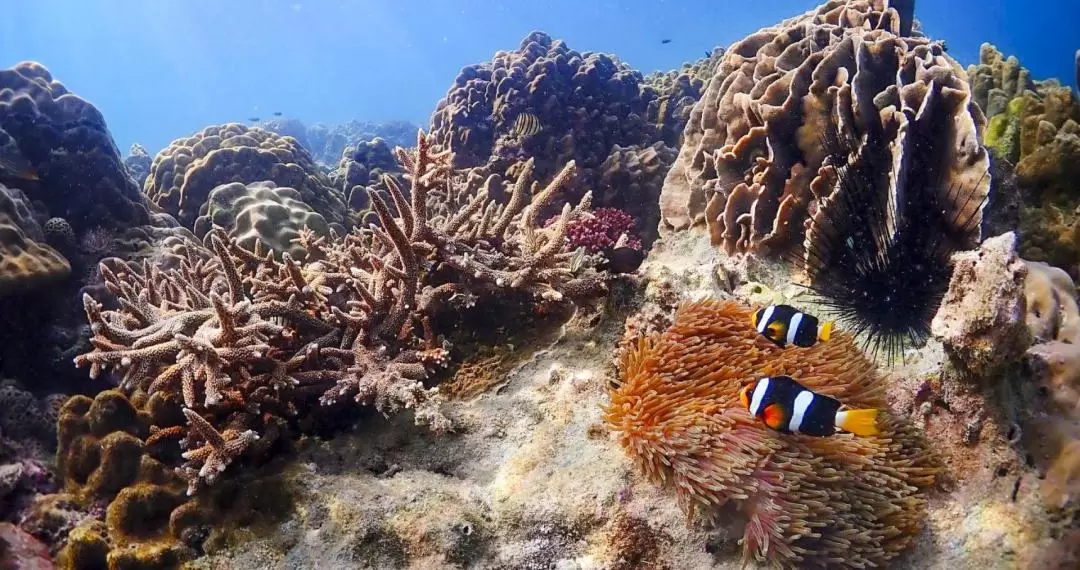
877 250
840 501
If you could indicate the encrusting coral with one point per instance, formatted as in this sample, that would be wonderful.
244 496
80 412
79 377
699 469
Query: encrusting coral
243 339
838 501
750 166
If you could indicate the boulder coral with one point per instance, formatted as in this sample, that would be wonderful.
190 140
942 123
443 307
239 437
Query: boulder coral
183 174
26 260
553 104
839 501
72 165
261 217
750 165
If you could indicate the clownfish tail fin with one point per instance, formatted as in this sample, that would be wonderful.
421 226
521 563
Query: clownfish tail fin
825 331
858 422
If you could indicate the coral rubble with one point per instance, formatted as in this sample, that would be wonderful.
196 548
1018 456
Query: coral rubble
841 501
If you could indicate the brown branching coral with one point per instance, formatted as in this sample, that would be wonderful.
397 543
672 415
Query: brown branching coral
243 337
750 166
840 501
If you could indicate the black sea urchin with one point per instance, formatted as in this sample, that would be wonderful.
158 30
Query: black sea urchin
877 251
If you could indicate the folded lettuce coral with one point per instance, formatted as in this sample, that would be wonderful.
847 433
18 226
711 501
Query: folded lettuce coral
840 502
749 168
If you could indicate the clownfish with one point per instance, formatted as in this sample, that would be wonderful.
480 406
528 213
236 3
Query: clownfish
788 407
784 325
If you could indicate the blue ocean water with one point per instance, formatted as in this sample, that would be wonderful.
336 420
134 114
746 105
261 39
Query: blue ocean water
163 69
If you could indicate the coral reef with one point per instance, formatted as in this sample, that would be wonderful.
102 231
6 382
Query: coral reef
364 165
261 217
677 92
1035 125
26 260
183 175
1024 114
837 501
73 165
750 166
547 102
232 332
327 143
630 179
137 163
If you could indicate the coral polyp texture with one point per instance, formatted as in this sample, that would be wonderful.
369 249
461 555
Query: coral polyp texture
246 340
1035 124
183 175
65 155
261 215
838 501
548 102
749 168
26 260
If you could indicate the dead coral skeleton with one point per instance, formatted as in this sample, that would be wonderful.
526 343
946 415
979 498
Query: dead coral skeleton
241 337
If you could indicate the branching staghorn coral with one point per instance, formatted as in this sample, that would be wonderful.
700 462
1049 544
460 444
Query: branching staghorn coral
242 337
840 502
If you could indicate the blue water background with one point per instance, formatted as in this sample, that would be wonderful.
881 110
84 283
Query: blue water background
163 69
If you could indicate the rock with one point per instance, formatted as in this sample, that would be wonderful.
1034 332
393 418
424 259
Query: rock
981 321
21 551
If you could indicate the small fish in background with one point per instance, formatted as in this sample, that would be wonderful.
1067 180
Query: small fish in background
665 41
784 325
254 119
788 407
526 125
277 113
708 55
12 161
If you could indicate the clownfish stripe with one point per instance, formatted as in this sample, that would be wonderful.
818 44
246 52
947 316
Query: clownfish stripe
802 404
759 395
793 327
765 318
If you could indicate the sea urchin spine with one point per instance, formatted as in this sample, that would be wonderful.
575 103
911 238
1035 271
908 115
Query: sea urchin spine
877 250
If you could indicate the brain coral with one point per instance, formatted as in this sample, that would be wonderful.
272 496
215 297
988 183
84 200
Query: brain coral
261 212
26 261
183 175
841 501
749 165
64 140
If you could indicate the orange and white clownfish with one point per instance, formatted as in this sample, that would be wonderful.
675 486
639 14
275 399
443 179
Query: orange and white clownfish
788 407
784 325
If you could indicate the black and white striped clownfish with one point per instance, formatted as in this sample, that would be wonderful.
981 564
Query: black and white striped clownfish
788 407
784 325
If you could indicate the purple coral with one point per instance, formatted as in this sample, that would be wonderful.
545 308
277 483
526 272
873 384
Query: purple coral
610 232
600 232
